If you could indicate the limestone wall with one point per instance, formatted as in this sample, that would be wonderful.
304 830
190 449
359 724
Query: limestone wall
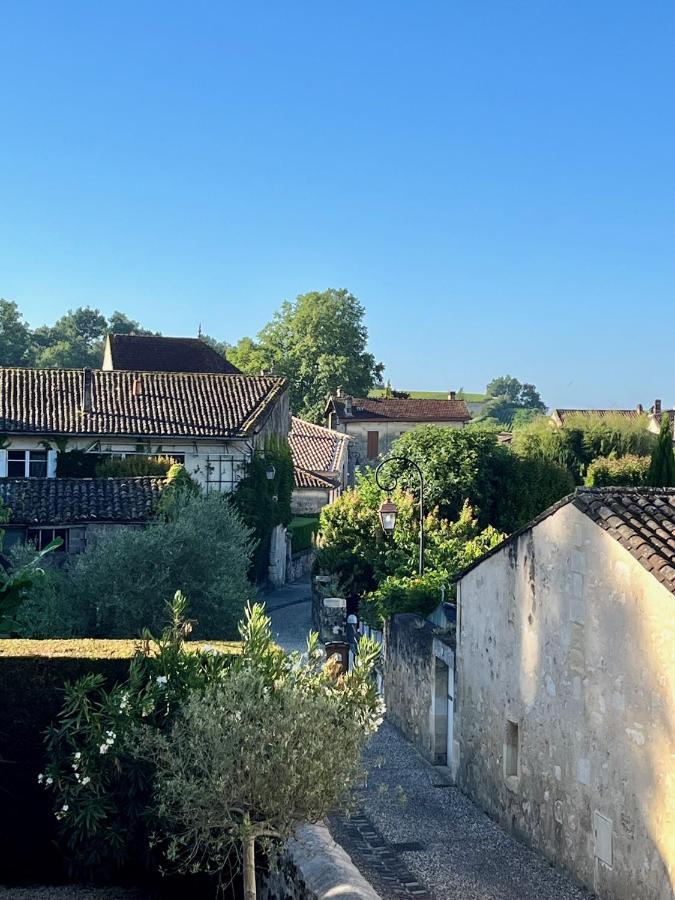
565 704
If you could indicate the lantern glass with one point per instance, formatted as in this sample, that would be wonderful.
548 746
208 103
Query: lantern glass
270 472
388 514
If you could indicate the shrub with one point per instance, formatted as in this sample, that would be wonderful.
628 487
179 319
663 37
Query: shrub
302 530
197 754
627 470
418 594
120 584
133 466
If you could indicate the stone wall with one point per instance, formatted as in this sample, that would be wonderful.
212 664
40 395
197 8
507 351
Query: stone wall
565 706
414 655
299 565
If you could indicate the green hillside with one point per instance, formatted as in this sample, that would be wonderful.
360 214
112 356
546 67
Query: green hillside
433 395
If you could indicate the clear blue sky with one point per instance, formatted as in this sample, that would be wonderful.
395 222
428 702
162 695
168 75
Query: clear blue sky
495 181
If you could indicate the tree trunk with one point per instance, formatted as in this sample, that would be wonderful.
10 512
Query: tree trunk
249 868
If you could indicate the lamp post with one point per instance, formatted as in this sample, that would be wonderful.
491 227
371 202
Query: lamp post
388 510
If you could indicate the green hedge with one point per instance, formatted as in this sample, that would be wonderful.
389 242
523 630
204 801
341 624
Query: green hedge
627 470
32 675
302 530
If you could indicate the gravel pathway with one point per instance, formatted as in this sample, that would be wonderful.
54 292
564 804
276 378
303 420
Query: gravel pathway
438 842
66 892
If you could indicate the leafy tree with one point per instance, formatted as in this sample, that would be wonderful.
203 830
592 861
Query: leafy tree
74 341
625 470
15 336
119 323
121 583
507 397
662 466
318 342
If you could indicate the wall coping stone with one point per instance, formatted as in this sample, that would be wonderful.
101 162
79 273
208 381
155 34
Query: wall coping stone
326 868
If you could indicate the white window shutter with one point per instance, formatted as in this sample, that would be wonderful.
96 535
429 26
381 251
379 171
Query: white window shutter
51 463
3 464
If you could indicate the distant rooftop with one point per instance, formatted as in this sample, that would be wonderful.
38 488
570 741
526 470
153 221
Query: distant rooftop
373 409
153 353
560 415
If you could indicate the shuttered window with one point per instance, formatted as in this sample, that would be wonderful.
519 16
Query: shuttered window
373 444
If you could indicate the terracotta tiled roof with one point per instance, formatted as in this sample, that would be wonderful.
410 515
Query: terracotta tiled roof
314 448
372 409
162 404
69 501
152 353
642 520
561 414
305 479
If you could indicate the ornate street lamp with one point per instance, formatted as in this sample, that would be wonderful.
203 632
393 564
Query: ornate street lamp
388 509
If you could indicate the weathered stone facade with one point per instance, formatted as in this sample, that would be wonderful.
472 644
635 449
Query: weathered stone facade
565 707
418 678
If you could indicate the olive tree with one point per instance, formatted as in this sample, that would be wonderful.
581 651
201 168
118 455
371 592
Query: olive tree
275 743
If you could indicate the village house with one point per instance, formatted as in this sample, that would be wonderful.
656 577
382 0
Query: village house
563 720
320 465
211 423
75 510
374 423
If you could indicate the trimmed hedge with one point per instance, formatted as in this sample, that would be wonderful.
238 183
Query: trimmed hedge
32 675
302 530
631 471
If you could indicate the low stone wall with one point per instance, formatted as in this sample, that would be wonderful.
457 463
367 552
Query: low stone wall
315 868
299 565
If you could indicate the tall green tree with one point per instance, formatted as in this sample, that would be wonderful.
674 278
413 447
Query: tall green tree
662 467
73 341
319 342
509 400
15 336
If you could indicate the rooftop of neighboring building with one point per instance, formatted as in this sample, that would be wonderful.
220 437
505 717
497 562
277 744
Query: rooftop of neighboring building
316 449
77 501
396 409
191 405
641 519
156 353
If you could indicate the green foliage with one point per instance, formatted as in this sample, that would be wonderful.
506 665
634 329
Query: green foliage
625 470
318 342
198 752
120 584
303 530
101 787
15 336
583 439
403 594
662 464
505 489
509 400
76 464
263 503
133 466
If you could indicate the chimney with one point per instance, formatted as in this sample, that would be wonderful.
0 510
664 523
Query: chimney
348 406
452 395
136 387
657 407
338 392
86 390
639 409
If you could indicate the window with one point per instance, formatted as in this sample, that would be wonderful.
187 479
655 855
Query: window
124 454
27 463
42 537
222 473
511 750
373 444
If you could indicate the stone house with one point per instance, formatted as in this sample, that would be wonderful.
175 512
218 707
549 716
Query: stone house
656 413
374 423
320 464
76 510
564 703
210 422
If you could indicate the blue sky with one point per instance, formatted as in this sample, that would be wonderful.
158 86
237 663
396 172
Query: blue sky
495 181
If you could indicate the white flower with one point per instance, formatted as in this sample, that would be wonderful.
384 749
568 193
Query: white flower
78 755
49 780
104 748
208 648
41 778
161 679
77 776
65 808
86 779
